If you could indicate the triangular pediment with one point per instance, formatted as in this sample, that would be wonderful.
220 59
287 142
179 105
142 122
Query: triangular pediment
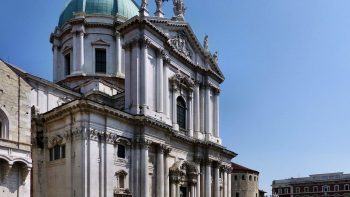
100 42
183 40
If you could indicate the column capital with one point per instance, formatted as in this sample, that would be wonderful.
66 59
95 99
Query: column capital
144 42
117 33
145 143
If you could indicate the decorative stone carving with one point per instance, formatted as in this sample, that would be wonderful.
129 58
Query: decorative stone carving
179 9
56 140
63 100
216 56
144 4
143 9
180 80
121 172
179 43
145 143
206 42
183 171
100 42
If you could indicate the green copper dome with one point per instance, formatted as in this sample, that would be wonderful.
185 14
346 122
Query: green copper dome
126 8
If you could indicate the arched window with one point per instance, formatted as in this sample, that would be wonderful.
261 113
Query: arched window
4 125
121 176
181 112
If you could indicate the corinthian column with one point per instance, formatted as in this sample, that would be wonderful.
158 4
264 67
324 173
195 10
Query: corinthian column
160 171
173 189
196 109
208 179
190 114
118 49
144 169
207 113
225 183
144 75
216 179
175 95
78 49
166 172
229 184
160 84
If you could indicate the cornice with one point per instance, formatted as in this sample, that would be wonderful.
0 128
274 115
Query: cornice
88 105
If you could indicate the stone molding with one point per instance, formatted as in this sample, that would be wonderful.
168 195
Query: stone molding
179 43
140 121
180 80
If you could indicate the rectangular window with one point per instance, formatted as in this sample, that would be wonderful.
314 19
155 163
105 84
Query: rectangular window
57 152
51 154
297 190
100 60
121 151
286 191
336 188
306 189
346 187
315 189
67 64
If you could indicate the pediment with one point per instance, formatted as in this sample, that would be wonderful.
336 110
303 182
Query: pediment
100 42
184 41
180 42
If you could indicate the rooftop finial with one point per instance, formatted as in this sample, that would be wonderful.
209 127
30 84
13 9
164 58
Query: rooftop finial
179 9
159 12
143 8
206 42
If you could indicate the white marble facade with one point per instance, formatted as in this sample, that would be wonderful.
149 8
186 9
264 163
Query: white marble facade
146 125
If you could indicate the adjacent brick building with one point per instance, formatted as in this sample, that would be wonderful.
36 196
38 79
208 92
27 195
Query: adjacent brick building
330 184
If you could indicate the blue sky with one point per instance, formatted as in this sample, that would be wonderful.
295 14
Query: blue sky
285 104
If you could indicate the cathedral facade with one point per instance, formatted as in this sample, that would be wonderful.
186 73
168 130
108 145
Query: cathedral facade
133 109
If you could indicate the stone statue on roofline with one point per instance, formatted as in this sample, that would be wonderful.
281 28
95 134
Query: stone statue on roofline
179 9
206 42
159 12
144 4
216 56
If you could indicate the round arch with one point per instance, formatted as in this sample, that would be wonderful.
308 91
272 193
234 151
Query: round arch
4 124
